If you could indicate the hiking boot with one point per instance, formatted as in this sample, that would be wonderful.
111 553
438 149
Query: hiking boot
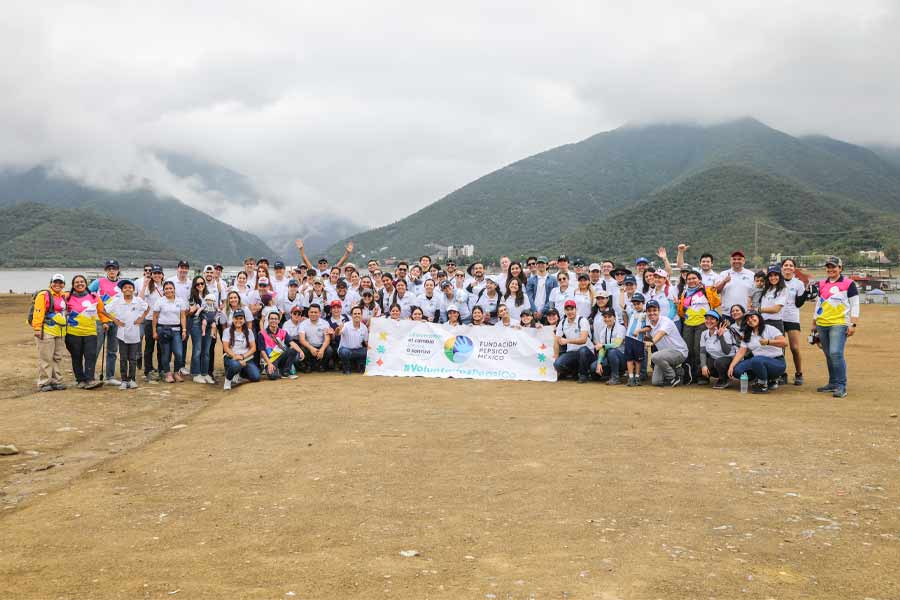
227 385
798 378
613 381
839 392
825 388
46 388
89 385
113 381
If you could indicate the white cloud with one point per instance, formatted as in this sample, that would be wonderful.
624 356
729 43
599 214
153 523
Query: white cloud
373 110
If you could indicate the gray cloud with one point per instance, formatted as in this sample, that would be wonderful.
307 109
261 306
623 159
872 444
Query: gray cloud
373 110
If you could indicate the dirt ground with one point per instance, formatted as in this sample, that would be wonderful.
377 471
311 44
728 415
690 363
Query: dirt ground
312 489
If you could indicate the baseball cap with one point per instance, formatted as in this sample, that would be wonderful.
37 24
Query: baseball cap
323 260
296 309
318 280
579 262
341 283
686 268
713 314
335 303
263 259
452 307
445 285
293 282
219 267
208 268
562 257
609 313
604 294
652 304
594 267
238 313
263 281
637 297
210 297
738 253
57 277
156 269
268 311
834 260
570 303
184 263
112 263
630 279
123 282
279 264
542 259
642 260
773 269
660 273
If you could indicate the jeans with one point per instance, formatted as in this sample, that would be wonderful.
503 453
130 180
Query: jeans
573 361
112 347
283 364
149 345
613 363
128 358
321 364
249 371
764 368
664 364
833 339
171 343
83 349
691 335
200 347
352 359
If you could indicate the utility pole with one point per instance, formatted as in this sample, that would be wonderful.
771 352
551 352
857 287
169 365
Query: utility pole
755 239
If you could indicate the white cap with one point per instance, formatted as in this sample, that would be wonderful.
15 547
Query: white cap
210 297
57 277
661 273
452 307
269 310
604 294
594 267
209 268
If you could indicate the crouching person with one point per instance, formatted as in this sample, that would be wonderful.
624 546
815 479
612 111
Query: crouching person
717 347
240 346
608 337
315 338
767 345
671 349
354 338
281 355
573 332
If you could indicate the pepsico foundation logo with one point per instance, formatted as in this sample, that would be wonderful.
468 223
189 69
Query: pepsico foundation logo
458 348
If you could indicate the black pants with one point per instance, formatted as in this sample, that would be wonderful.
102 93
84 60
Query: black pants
718 367
83 349
149 345
128 358
320 363
283 364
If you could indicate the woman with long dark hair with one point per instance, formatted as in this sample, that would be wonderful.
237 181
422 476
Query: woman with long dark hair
84 309
514 299
151 293
239 345
774 298
796 298
767 345
170 329
200 339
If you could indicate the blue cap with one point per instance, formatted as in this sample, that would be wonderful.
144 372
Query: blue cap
122 283
713 314
630 279
279 264
238 313
293 282
112 263
637 297
774 269
156 269
641 260
651 304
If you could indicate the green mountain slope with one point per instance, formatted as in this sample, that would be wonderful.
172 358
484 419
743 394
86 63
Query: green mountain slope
700 210
37 235
533 202
190 232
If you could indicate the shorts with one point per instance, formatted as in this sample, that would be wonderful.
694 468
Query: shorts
776 323
788 326
634 349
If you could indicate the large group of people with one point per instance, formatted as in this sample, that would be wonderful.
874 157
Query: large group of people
611 323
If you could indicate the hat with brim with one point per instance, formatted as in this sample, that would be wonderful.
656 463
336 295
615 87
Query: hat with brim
452 308
713 314
121 284
637 297
58 277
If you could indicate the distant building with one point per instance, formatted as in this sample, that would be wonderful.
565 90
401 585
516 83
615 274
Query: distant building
874 256
463 251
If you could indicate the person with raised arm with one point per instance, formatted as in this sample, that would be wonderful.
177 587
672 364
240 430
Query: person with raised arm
322 267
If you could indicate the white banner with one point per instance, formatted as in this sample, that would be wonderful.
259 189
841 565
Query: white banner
421 349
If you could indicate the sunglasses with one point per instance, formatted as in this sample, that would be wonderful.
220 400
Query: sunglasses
148 270
530 264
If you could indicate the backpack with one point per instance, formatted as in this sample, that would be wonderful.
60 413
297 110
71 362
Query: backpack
31 305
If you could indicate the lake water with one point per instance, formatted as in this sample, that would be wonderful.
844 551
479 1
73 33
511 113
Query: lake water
20 281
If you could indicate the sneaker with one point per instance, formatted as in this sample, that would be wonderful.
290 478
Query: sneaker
825 388
237 380
80 385
638 381
113 381
703 381
123 385
613 381
798 378
839 392
582 379
178 376
89 385
184 371
773 384
210 380
46 388
675 382
227 385
760 389
170 378
783 380
199 379
132 385
293 376
721 384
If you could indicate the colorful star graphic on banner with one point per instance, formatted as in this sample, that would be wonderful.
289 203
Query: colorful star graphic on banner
383 336
368 361
379 362
542 370
381 350
541 357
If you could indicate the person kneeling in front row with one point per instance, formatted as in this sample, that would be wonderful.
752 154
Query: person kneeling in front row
573 332
767 345
608 338
671 349
279 352
240 346
717 347
315 338
354 338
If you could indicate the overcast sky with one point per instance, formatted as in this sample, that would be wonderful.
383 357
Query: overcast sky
376 109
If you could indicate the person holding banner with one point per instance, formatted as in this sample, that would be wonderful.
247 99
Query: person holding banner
573 332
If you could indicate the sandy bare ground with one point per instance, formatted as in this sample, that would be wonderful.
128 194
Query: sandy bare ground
312 489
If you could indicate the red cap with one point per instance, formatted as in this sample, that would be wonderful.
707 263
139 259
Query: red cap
738 253
336 303
569 303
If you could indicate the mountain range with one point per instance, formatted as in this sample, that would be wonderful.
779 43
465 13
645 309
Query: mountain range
663 179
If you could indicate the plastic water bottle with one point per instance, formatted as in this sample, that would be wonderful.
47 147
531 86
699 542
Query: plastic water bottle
293 370
745 383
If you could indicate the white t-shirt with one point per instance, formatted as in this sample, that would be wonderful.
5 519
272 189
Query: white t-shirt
279 285
292 329
709 277
738 290
672 340
515 312
713 345
128 313
429 306
773 298
540 292
243 293
182 289
758 349
169 311
790 313
605 335
574 329
558 298
353 338
583 304
315 332
610 285
240 344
